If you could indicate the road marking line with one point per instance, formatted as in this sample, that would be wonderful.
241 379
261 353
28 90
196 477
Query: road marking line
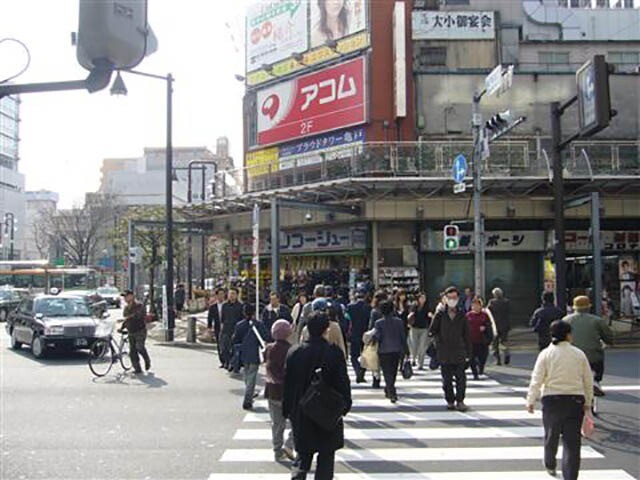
414 433
348 455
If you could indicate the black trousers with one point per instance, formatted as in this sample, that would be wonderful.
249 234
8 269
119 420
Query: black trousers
389 364
137 347
449 372
479 354
355 351
562 416
324 468
598 370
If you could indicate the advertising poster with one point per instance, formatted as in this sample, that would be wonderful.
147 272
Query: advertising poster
629 303
332 146
275 30
262 162
627 268
319 102
439 25
336 19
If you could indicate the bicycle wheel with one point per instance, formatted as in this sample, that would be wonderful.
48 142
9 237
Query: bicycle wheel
101 357
125 359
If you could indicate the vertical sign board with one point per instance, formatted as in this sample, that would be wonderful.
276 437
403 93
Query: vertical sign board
594 103
399 60
256 253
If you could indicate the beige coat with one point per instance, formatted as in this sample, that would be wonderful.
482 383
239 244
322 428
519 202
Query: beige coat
332 335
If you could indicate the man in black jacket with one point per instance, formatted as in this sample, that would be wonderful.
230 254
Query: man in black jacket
358 313
450 328
231 316
543 317
134 322
302 361
273 312
501 311
214 318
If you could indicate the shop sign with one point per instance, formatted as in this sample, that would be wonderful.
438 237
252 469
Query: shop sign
262 162
610 240
331 146
318 102
496 241
305 241
439 25
275 30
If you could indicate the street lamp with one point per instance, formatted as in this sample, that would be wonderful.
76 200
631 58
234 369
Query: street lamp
119 88
9 227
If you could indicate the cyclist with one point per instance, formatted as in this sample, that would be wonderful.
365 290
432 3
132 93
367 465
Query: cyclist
589 332
134 322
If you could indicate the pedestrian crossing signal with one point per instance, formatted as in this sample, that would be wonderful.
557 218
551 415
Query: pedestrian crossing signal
451 238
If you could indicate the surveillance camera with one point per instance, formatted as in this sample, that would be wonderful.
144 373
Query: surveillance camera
308 217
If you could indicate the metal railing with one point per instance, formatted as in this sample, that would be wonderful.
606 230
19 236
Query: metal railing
430 159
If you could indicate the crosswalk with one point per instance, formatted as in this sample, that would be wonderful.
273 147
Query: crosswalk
418 439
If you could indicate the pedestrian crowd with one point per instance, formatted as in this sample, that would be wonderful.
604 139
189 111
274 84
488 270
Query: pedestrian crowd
305 351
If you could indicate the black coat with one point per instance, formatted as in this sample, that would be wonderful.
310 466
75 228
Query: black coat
231 316
453 339
359 314
301 362
541 321
501 311
270 316
213 319
249 343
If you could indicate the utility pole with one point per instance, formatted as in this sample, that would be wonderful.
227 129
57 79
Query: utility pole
560 253
478 232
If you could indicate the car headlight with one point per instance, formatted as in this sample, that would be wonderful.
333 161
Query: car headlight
54 330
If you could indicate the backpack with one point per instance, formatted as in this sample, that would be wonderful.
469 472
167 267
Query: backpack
321 403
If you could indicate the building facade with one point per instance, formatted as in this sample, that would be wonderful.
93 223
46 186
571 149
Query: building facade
12 200
37 203
392 166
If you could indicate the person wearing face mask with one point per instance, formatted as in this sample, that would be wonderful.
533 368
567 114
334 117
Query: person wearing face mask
450 330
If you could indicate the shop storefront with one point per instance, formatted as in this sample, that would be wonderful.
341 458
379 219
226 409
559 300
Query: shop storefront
336 255
514 263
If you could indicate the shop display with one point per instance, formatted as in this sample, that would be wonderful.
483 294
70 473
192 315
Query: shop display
406 278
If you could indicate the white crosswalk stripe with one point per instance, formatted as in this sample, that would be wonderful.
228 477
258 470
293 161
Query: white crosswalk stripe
418 439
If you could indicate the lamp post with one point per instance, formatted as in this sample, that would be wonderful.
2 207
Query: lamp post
119 88
9 227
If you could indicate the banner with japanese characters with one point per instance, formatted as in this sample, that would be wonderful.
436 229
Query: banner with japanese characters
495 241
330 146
307 241
441 25
622 241
322 101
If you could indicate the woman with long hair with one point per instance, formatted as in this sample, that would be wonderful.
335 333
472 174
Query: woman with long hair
333 23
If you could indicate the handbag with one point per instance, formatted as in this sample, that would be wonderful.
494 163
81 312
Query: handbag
369 359
321 403
488 333
588 425
432 352
407 370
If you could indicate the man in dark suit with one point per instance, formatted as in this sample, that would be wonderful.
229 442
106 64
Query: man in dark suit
273 312
214 318
302 361
358 313
231 316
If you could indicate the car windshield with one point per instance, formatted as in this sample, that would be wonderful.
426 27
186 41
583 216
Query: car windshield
107 291
6 295
62 307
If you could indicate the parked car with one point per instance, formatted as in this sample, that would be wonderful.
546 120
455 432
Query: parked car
111 295
9 300
47 321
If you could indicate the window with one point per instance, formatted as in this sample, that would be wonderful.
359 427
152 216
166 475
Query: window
432 57
624 61
457 2
554 58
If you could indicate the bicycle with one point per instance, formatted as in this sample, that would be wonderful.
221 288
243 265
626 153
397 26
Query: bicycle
104 352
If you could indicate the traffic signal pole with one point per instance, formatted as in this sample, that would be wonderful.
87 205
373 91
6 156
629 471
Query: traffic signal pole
478 231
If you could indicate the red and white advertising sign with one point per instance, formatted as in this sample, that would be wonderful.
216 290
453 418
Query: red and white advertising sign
321 101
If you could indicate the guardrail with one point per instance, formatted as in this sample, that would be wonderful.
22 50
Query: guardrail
430 159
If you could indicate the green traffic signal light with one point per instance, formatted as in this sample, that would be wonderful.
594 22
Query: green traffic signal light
451 244
451 238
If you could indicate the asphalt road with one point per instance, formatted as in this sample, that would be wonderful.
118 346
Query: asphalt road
183 421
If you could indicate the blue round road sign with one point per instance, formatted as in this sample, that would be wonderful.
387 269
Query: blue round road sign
459 170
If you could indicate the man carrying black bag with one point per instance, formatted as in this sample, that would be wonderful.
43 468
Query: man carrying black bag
312 367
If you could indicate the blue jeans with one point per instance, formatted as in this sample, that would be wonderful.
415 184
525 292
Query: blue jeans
250 378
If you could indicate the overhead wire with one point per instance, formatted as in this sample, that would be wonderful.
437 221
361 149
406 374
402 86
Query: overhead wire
27 63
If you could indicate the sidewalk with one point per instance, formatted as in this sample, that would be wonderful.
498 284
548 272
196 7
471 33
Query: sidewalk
203 339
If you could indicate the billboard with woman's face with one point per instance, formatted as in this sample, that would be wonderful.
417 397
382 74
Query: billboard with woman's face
336 19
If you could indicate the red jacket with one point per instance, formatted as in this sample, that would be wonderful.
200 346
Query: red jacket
478 323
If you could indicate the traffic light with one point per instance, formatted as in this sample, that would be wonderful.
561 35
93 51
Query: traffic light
499 121
451 238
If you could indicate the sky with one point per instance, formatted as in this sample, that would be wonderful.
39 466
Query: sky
65 135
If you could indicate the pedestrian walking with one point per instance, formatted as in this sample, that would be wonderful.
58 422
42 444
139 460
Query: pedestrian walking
419 321
275 311
589 332
179 297
563 376
450 330
358 313
391 336
307 309
309 437
231 316
542 319
501 310
481 334
334 334
275 355
379 297
134 323
250 336
214 319
467 300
